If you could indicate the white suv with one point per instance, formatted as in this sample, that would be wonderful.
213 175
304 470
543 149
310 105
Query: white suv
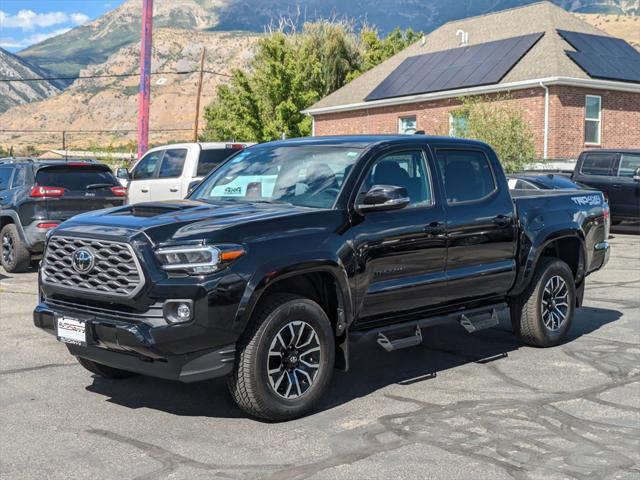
170 172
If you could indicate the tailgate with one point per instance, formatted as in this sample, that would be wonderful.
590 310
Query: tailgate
86 187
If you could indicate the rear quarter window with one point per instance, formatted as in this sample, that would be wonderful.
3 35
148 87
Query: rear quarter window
629 163
75 178
210 159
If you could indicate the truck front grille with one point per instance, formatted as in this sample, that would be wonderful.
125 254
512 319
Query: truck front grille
114 268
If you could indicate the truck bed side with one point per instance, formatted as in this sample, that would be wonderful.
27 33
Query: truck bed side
573 224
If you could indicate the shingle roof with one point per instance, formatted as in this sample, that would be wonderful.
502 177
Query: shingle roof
546 59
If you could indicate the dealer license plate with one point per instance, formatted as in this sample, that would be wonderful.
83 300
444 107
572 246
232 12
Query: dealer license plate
72 330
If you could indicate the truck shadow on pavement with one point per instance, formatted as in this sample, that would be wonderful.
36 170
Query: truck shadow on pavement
444 347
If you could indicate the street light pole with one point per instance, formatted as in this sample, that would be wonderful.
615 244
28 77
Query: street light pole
145 77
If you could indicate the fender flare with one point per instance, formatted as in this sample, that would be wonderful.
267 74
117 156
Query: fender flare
535 251
268 275
16 220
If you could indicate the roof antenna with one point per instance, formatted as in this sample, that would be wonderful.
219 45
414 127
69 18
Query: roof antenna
464 38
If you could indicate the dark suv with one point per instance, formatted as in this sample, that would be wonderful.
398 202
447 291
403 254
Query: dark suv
617 174
38 195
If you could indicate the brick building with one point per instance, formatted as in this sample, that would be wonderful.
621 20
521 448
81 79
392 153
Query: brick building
567 108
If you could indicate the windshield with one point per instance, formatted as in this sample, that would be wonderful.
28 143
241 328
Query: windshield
304 175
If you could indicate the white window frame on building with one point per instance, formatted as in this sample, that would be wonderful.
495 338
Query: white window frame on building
592 119
458 124
405 129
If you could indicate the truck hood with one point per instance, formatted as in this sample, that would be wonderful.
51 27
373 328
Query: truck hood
181 220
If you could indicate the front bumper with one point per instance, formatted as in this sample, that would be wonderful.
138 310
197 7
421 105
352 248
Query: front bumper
133 347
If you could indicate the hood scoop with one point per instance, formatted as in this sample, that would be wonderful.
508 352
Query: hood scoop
152 209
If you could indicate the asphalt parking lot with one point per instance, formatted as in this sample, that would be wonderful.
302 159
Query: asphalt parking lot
458 407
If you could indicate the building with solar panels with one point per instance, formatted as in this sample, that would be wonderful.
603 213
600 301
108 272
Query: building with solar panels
576 87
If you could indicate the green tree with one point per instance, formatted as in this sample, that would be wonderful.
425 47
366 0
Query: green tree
289 72
496 122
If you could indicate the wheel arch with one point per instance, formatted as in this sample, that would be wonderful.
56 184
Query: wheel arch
324 282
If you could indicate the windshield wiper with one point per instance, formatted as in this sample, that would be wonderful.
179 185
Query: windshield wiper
94 186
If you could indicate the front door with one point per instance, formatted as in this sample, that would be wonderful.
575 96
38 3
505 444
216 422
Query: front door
139 188
400 253
168 185
481 231
625 191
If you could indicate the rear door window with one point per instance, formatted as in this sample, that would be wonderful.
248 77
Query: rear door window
210 159
629 163
5 177
76 178
467 175
598 164
172 163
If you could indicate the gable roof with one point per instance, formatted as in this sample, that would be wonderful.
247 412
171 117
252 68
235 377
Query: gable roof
547 58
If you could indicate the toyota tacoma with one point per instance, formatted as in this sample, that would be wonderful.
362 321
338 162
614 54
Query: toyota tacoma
291 250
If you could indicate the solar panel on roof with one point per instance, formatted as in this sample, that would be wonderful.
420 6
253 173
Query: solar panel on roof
482 64
603 57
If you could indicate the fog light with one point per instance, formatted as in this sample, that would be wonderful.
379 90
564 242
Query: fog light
183 312
178 311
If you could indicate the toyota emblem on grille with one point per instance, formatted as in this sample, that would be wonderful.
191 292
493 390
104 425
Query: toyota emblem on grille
83 260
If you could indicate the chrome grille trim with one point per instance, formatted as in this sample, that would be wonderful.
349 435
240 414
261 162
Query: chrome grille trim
117 271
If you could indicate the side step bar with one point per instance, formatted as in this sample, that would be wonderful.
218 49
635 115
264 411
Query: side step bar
409 334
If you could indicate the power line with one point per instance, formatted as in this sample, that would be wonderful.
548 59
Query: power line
113 75
125 130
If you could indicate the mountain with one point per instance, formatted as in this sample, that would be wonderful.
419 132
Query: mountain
94 42
17 93
622 26
112 103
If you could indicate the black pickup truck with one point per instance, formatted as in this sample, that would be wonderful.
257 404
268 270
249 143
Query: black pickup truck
291 250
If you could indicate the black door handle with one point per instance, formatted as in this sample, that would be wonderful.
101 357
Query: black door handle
434 228
616 186
502 221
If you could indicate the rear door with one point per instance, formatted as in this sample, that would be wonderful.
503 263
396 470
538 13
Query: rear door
597 171
625 191
168 184
6 172
481 233
84 187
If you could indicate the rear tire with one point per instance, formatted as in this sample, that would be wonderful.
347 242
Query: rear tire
543 313
284 360
14 256
104 370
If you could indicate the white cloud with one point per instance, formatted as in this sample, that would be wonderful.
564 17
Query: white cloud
12 43
28 20
79 18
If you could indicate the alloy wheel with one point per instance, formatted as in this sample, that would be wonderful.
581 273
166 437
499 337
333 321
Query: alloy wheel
7 249
294 359
555 303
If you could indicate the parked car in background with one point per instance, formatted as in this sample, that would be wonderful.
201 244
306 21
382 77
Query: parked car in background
617 174
548 181
38 195
169 172
338 239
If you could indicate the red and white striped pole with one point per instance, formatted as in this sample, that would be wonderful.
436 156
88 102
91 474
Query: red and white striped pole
145 77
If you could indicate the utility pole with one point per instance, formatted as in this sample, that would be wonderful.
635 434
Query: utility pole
195 128
145 77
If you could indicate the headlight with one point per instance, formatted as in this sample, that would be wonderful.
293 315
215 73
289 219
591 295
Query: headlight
198 259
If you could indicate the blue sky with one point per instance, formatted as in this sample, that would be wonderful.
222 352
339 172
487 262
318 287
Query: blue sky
26 22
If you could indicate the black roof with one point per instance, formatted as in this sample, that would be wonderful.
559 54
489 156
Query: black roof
469 66
364 141
603 57
612 150
42 162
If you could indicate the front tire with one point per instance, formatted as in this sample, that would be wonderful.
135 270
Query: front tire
543 313
104 370
285 359
14 256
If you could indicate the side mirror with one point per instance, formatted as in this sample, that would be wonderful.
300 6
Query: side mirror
122 173
384 197
636 175
193 185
